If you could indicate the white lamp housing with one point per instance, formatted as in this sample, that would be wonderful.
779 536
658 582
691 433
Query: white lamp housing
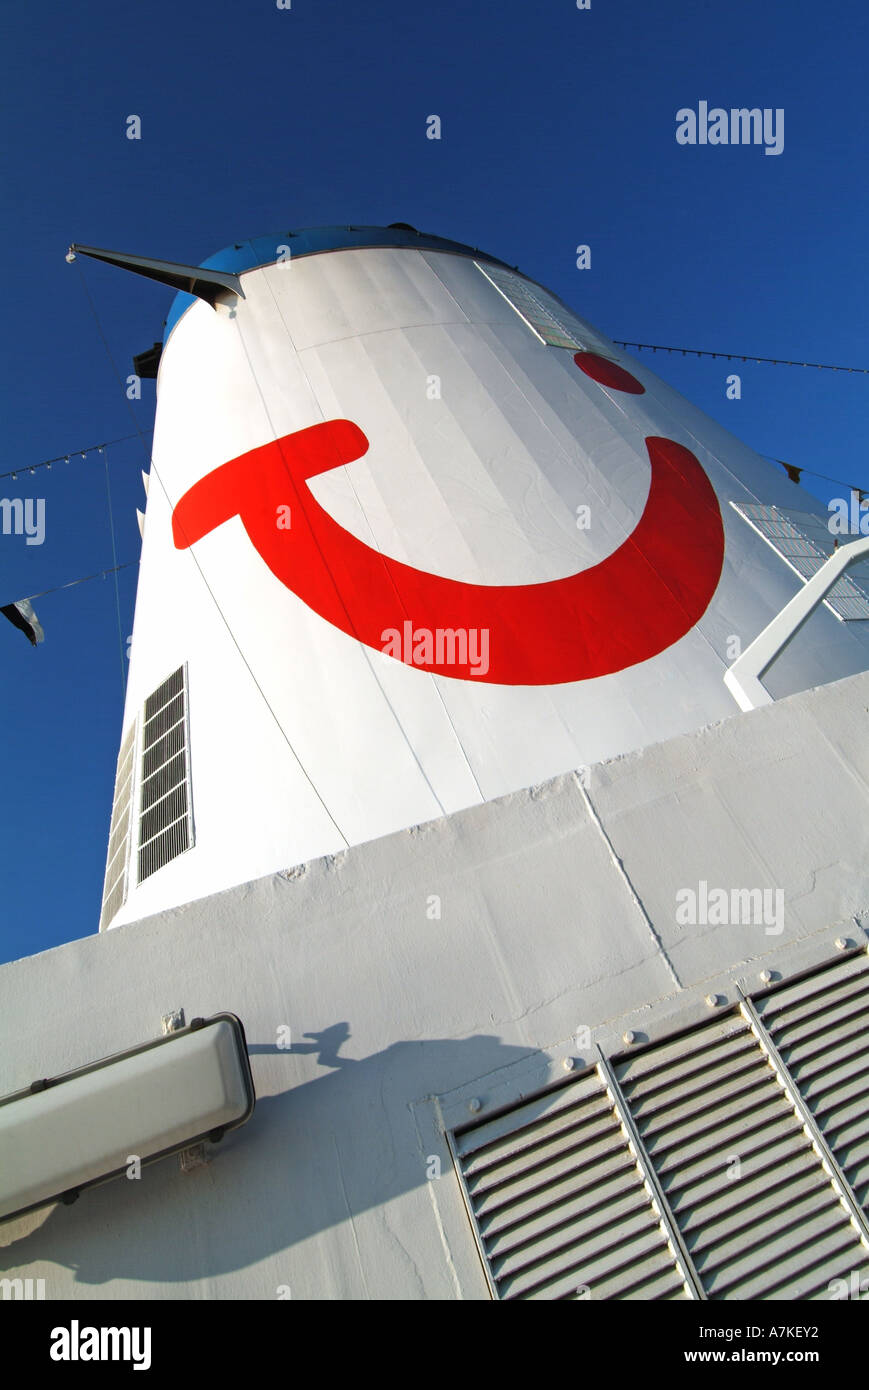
69 1132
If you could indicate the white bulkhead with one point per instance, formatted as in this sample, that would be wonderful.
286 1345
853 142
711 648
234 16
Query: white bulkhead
418 536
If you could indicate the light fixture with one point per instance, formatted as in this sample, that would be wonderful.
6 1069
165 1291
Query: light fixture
69 1132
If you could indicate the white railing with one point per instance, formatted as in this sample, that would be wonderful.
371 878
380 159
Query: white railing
743 677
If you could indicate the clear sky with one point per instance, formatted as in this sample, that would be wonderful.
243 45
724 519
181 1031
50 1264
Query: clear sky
558 129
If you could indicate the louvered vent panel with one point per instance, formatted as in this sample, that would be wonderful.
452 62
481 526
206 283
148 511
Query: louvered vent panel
551 321
165 821
819 1026
173 685
759 1215
559 1203
805 543
117 859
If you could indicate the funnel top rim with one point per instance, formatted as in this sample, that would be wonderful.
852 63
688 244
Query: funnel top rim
256 252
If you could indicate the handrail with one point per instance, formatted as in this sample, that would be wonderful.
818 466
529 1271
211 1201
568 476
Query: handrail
743 677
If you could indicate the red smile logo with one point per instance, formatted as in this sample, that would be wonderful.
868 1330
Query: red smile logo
634 604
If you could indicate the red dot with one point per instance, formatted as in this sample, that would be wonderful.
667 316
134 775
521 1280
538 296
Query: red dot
608 373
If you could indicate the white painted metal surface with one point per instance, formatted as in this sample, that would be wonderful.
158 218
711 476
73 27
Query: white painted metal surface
458 935
493 460
387 989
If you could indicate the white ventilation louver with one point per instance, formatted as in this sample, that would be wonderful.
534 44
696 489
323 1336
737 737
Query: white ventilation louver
755 1208
165 812
552 322
819 1029
805 543
729 1161
560 1205
116 882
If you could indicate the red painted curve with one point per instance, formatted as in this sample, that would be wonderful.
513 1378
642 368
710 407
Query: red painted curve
634 604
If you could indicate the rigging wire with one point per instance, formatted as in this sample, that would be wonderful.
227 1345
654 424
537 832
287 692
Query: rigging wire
796 468
210 591
653 347
790 468
100 574
65 458
794 471
740 357
108 491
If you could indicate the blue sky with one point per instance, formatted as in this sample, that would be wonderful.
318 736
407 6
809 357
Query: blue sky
558 128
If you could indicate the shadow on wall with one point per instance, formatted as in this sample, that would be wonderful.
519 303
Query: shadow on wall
310 1157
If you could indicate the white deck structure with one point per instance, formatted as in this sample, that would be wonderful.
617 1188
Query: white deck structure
551 989
557 915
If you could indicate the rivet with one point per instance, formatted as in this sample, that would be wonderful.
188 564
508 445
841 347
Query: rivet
629 1037
475 1105
713 1000
568 1064
842 943
766 976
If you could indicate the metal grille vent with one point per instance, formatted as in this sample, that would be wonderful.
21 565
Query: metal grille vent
752 1200
118 857
805 543
729 1161
560 1204
165 812
819 1028
541 311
